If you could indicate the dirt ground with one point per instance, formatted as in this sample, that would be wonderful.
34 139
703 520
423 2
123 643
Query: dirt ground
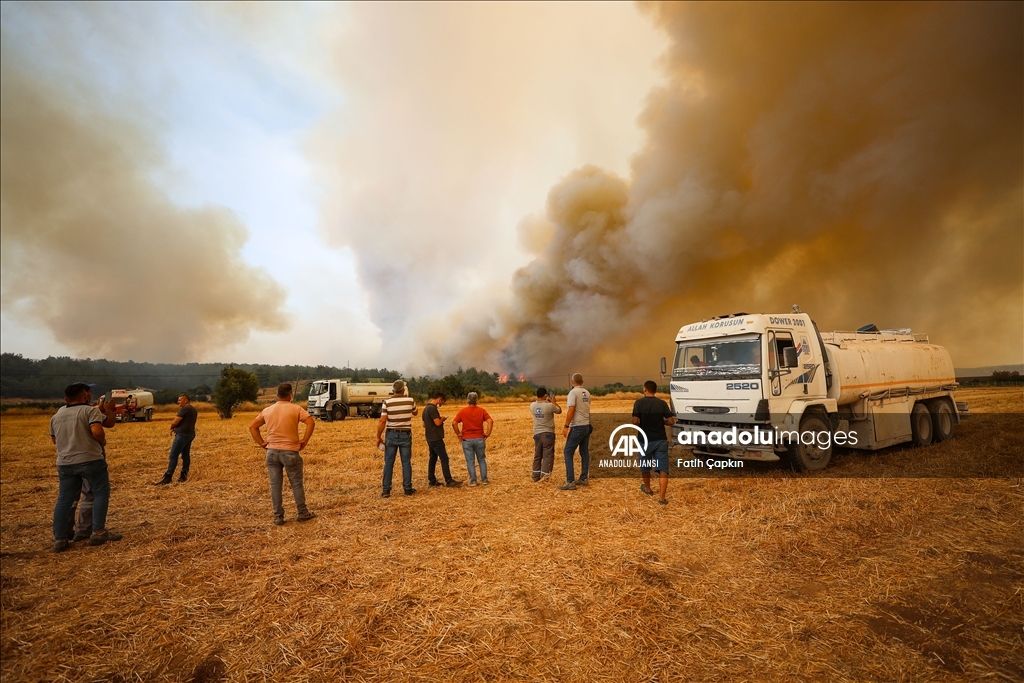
782 578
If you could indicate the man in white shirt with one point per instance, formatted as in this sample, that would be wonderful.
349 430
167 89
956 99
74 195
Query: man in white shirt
577 434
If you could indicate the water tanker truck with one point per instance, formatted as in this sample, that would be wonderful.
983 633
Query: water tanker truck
336 399
131 405
766 387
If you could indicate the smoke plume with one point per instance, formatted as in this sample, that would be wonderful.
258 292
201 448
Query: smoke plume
862 160
96 252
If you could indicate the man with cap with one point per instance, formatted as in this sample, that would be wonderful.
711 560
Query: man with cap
77 432
473 426
395 431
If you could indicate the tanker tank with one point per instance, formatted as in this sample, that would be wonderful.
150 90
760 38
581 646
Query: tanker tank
870 364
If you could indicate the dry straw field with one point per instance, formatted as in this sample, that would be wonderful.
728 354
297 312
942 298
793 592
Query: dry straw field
784 578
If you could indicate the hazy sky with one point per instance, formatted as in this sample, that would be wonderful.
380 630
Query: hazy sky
539 187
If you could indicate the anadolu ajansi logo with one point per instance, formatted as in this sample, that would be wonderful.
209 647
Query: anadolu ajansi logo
628 445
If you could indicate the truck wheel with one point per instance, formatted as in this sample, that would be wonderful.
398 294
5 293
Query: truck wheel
942 421
338 413
812 457
149 415
921 425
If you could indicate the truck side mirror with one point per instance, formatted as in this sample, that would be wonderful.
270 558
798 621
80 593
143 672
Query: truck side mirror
789 356
664 366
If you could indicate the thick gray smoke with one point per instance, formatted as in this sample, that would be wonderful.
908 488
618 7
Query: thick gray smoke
865 161
97 253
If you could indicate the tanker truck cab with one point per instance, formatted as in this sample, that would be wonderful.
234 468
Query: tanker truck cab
741 375
766 387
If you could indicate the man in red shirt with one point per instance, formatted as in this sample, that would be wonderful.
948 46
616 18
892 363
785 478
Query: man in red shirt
473 425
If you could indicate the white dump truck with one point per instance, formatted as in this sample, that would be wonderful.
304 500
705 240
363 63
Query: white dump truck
761 387
336 399
131 405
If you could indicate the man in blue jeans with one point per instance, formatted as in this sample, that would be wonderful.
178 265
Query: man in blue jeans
577 434
395 431
77 432
183 428
282 445
473 426
652 415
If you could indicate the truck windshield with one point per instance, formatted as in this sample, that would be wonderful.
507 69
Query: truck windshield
713 359
317 388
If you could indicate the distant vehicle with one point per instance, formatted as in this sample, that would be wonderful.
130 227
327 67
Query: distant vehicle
336 399
132 405
748 375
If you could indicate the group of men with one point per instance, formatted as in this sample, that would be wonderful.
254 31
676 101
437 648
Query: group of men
77 430
472 425
650 413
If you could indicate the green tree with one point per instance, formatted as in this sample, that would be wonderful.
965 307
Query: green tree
235 386
451 386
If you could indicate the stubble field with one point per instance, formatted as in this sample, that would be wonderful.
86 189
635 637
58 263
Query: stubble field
784 578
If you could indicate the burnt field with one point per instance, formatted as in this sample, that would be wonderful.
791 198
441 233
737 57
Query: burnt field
766 577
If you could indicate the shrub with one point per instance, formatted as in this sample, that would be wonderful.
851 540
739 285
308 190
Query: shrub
235 387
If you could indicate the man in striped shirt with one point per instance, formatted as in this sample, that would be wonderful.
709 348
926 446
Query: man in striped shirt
395 431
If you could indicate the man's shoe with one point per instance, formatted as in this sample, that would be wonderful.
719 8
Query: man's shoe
544 477
278 521
583 482
183 478
662 502
99 538
385 494
472 483
409 492
567 486
435 483
484 483
81 536
163 482
644 489
60 545
306 516
454 484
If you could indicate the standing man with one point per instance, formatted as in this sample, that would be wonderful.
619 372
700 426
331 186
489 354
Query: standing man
433 426
652 415
544 410
77 432
577 433
183 429
473 426
396 416
283 445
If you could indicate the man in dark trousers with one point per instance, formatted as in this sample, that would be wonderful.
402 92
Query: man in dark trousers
652 415
77 432
544 410
433 427
183 429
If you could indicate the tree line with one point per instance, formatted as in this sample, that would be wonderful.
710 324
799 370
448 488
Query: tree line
45 379
227 386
